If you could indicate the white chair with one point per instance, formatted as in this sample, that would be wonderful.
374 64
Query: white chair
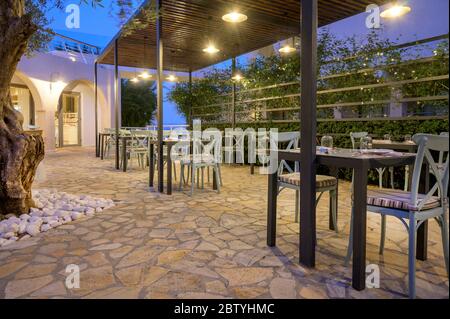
138 147
206 153
413 208
111 140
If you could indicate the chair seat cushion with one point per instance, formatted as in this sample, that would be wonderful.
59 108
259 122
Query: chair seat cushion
321 180
398 199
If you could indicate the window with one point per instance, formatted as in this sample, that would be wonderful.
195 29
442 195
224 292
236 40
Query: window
23 102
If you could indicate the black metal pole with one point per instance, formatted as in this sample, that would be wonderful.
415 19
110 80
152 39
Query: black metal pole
233 93
159 80
116 98
190 101
97 153
308 76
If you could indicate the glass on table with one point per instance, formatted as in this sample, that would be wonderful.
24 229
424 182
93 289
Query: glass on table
387 137
326 141
365 143
408 138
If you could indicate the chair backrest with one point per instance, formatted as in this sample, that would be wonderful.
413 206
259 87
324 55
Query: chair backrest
356 138
124 132
427 143
209 144
180 133
139 139
291 139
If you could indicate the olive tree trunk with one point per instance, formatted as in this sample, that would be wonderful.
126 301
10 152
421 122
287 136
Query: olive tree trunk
20 153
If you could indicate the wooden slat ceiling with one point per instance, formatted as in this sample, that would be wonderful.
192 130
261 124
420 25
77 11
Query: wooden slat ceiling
189 25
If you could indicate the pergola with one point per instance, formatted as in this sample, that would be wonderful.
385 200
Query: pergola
174 41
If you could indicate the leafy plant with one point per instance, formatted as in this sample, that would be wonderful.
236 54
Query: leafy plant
138 103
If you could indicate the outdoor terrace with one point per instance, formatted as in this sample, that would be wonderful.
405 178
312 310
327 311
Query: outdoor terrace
151 245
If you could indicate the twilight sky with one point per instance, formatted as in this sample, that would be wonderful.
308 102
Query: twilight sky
427 18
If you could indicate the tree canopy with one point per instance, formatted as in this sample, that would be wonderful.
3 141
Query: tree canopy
138 103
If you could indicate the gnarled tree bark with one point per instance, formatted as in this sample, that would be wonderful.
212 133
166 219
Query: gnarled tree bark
20 152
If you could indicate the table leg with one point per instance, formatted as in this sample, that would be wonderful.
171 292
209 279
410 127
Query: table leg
214 178
124 154
252 168
333 172
102 148
272 209
169 169
151 165
359 229
97 145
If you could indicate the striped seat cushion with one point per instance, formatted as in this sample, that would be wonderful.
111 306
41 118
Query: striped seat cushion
321 180
398 199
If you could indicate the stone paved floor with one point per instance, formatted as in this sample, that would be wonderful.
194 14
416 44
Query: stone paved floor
206 246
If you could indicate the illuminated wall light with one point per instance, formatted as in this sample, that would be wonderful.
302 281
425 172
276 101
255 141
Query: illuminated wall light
73 59
134 80
395 11
234 17
211 49
237 77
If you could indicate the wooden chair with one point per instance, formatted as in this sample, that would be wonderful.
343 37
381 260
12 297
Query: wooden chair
413 208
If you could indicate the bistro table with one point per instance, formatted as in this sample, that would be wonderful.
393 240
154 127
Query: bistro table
407 146
340 158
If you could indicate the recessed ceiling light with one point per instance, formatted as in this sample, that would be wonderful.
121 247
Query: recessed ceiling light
234 17
287 49
172 78
395 11
145 75
211 49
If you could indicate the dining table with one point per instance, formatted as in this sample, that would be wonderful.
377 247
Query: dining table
361 162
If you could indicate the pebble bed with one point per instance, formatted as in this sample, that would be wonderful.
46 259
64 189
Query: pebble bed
53 208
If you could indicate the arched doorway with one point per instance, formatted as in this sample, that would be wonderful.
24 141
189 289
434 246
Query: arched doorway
23 100
75 114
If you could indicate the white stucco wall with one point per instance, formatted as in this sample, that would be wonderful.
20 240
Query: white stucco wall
47 76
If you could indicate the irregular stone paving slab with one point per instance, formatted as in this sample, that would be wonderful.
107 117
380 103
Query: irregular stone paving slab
282 288
209 245
106 247
139 255
93 279
32 271
19 288
245 276
56 288
12 267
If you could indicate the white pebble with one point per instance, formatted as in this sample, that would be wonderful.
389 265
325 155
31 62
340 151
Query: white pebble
45 227
33 229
